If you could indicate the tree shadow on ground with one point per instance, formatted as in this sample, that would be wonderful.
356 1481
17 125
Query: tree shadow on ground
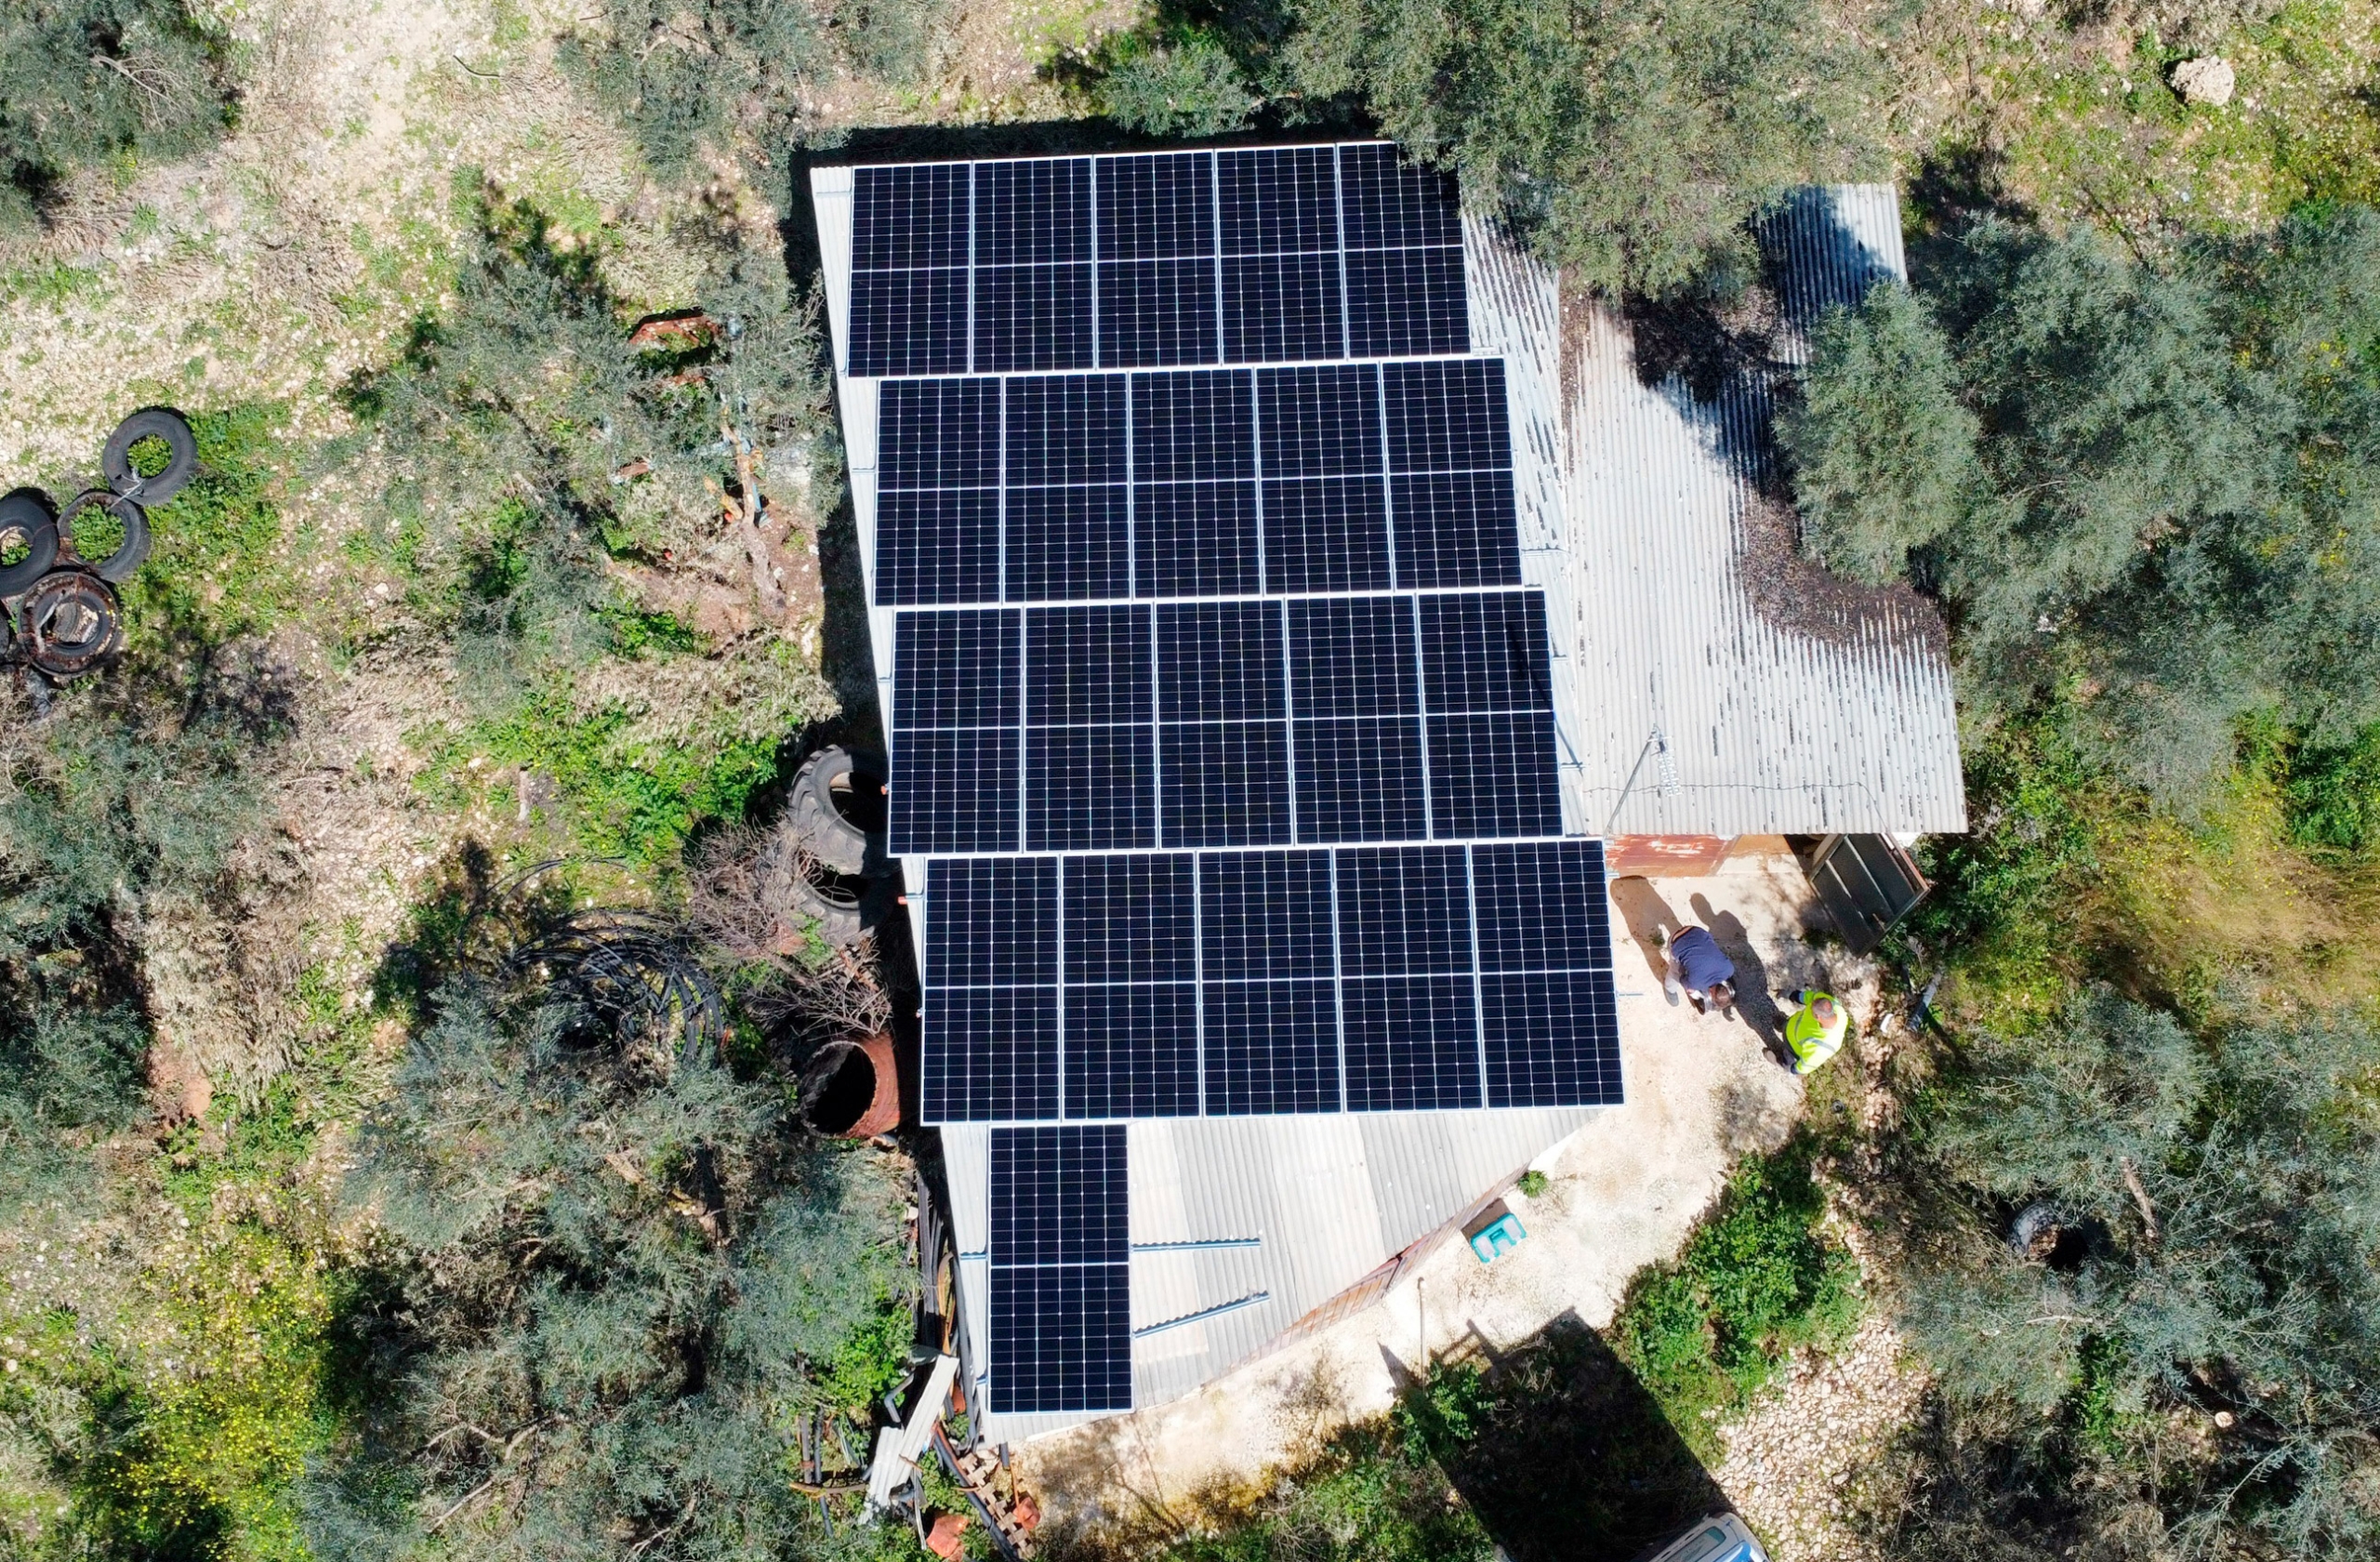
1559 1450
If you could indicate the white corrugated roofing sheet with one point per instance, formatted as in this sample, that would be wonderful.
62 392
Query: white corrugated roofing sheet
1736 688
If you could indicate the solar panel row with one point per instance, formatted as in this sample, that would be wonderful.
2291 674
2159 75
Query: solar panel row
1373 979
1234 723
1201 483
1061 1281
1176 258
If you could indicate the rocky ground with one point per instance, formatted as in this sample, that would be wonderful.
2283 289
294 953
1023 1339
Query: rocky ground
1792 1459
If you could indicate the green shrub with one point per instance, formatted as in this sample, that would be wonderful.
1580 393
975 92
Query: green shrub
632 799
2332 794
220 562
682 76
69 1073
1376 1494
84 83
1757 1278
1883 452
1178 82
109 813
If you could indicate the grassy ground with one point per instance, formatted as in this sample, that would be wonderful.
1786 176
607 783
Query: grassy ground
2079 125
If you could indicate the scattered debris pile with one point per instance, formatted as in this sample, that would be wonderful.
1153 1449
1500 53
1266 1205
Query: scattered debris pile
59 613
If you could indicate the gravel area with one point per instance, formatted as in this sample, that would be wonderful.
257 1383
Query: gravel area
1792 1458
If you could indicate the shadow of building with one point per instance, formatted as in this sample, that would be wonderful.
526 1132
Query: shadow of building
1560 1451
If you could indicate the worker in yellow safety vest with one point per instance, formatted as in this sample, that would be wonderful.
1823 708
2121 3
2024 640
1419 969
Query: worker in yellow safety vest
1813 1030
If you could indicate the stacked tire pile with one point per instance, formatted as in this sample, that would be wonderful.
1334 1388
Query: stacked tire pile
826 866
58 612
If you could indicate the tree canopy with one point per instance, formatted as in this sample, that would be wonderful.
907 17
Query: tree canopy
623 1275
1628 142
2210 1299
2148 487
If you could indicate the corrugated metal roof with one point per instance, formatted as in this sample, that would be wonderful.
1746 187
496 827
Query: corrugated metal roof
1242 1225
1735 688
1639 512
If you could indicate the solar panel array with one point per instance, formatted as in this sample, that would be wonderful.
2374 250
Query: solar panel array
1383 978
1198 482
1221 713
1259 255
1133 726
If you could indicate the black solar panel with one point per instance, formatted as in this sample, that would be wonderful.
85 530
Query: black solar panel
1224 784
1359 780
1493 776
1131 919
910 215
1266 915
1059 1196
1224 661
1279 200
1486 652
1132 1051
1542 906
910 323
1272 1047
1406 300
995 922
1354 656
1156 207
1193 425
939 433
1391 203
1404 912
1412 1044
1405 278
938 545
1321 421
1447 415
1061 1277
1550 1029
1327 533
956 669
1033 212
1456 529
1033 317
994 1054
1067 429
1281 306
1158 312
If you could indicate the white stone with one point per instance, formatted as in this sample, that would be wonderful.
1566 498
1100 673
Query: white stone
2208 79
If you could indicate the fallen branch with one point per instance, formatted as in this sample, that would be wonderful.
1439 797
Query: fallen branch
2140 1197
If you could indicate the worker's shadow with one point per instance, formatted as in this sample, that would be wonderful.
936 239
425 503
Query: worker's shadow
1757 1003
1648 916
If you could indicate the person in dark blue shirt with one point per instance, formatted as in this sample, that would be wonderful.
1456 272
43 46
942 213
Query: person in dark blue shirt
1700 969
